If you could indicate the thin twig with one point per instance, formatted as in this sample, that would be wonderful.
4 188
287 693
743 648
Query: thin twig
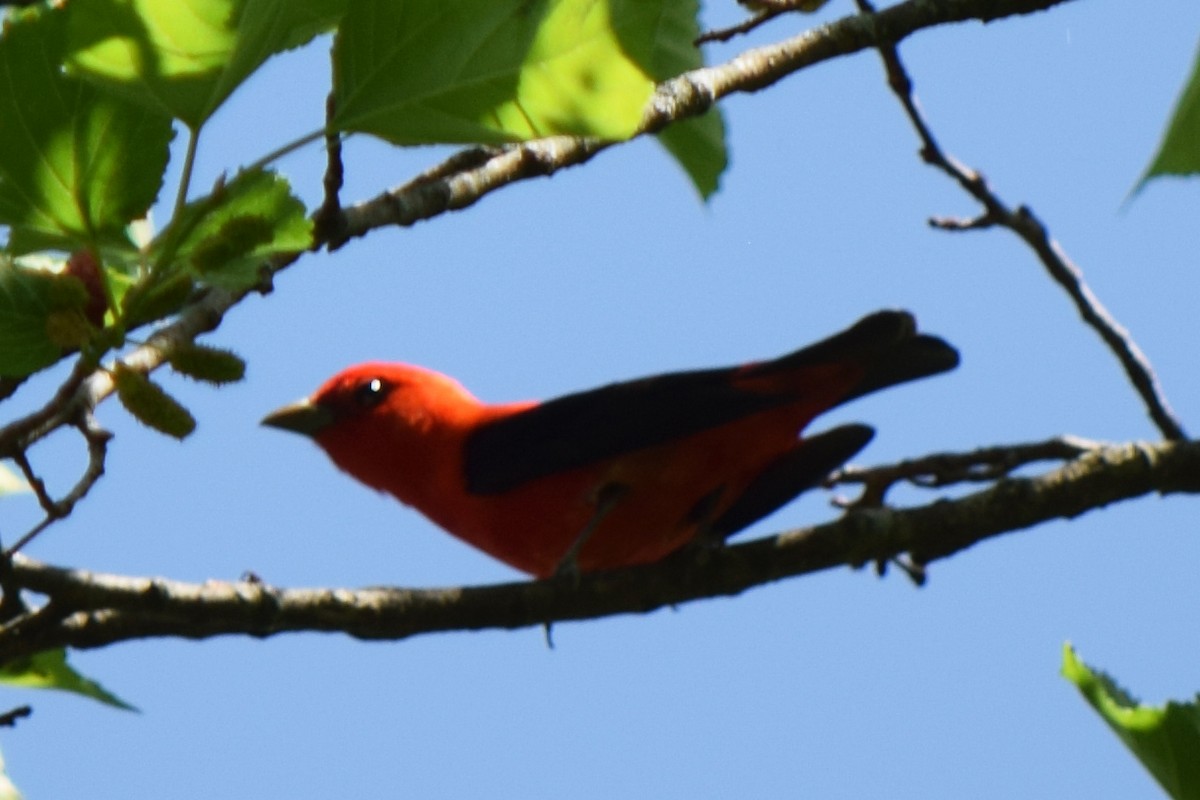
765 10
21 433
1023 222
937 470
742 28
328 222
97 439
9 718
36 484
12 602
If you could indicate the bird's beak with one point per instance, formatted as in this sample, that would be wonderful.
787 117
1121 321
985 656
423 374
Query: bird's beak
303 416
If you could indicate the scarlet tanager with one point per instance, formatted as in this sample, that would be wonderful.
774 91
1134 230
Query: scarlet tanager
623 474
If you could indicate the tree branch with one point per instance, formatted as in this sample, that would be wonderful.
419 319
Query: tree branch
97 439
88 609
688 95
87 386
746 26
944 469
1025 224
9 718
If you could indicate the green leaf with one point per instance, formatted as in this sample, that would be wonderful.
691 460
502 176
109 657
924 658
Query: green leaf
1165 739
1179 153
462 71
76 166
185 57
35 305
50 670
224 239
150 404
697 144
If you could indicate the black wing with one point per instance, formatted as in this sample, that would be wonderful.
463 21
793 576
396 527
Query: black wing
583 428
579 429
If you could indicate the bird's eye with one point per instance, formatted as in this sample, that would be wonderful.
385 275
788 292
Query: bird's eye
371 392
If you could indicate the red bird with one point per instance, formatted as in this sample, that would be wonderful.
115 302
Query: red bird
623 474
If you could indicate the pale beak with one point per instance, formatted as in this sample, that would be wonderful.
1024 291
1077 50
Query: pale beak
304 417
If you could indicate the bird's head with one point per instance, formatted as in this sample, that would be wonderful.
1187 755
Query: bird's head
376 418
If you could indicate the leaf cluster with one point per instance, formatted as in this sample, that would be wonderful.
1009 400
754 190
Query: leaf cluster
98 90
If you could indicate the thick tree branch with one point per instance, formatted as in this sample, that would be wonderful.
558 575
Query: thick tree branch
688 95
93 610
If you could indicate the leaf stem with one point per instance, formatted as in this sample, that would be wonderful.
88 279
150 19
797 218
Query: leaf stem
283 150
189 161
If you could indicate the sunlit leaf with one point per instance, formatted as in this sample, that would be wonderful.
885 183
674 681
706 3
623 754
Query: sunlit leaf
50 670
1165 739
424 71
76 165
185 57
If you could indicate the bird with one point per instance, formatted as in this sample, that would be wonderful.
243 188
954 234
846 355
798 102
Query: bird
621 475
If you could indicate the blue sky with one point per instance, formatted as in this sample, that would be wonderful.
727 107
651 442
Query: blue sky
836 685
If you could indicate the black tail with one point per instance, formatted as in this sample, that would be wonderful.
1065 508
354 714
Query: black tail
886 343
801 469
